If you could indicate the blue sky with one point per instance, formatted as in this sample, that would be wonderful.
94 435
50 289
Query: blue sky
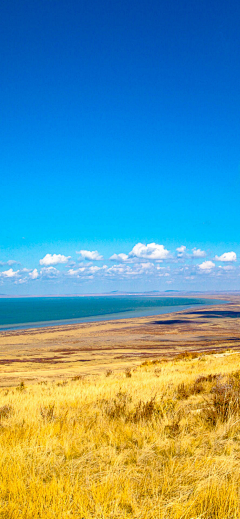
120 126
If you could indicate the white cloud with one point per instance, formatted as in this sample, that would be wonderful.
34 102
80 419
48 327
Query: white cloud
151 251
49 272
94 269
34 274
20 281
181 251
10 273
121 271
126 271
9 262
206 266
198 253
119 257
54 259
74 272
90 255
87 271
227 256
146 266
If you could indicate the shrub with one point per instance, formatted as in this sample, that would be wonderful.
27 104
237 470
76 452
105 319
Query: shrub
21 386
187 355
118 407
182 391
5 411
172 429
207 378
225 402
47 412
185 391
128 373
147 363
146 411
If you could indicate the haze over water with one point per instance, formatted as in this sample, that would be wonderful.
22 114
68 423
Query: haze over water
47 311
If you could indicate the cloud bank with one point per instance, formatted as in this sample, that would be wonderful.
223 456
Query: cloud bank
145 263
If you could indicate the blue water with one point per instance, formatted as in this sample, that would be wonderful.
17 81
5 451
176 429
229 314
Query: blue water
34 312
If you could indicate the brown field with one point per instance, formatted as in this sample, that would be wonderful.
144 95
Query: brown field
53 353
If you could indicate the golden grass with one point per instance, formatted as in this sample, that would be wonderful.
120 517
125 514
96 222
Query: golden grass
160 441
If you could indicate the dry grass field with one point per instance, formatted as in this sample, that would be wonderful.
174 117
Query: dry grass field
160 440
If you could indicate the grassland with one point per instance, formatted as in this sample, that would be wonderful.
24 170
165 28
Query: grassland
160 440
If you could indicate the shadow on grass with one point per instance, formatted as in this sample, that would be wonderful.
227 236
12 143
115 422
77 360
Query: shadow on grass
173 321
213 314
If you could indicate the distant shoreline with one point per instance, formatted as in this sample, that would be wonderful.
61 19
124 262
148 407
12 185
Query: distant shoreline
128 294
110 316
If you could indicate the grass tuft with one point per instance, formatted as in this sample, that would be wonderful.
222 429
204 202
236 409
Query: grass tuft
47 412
5 411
